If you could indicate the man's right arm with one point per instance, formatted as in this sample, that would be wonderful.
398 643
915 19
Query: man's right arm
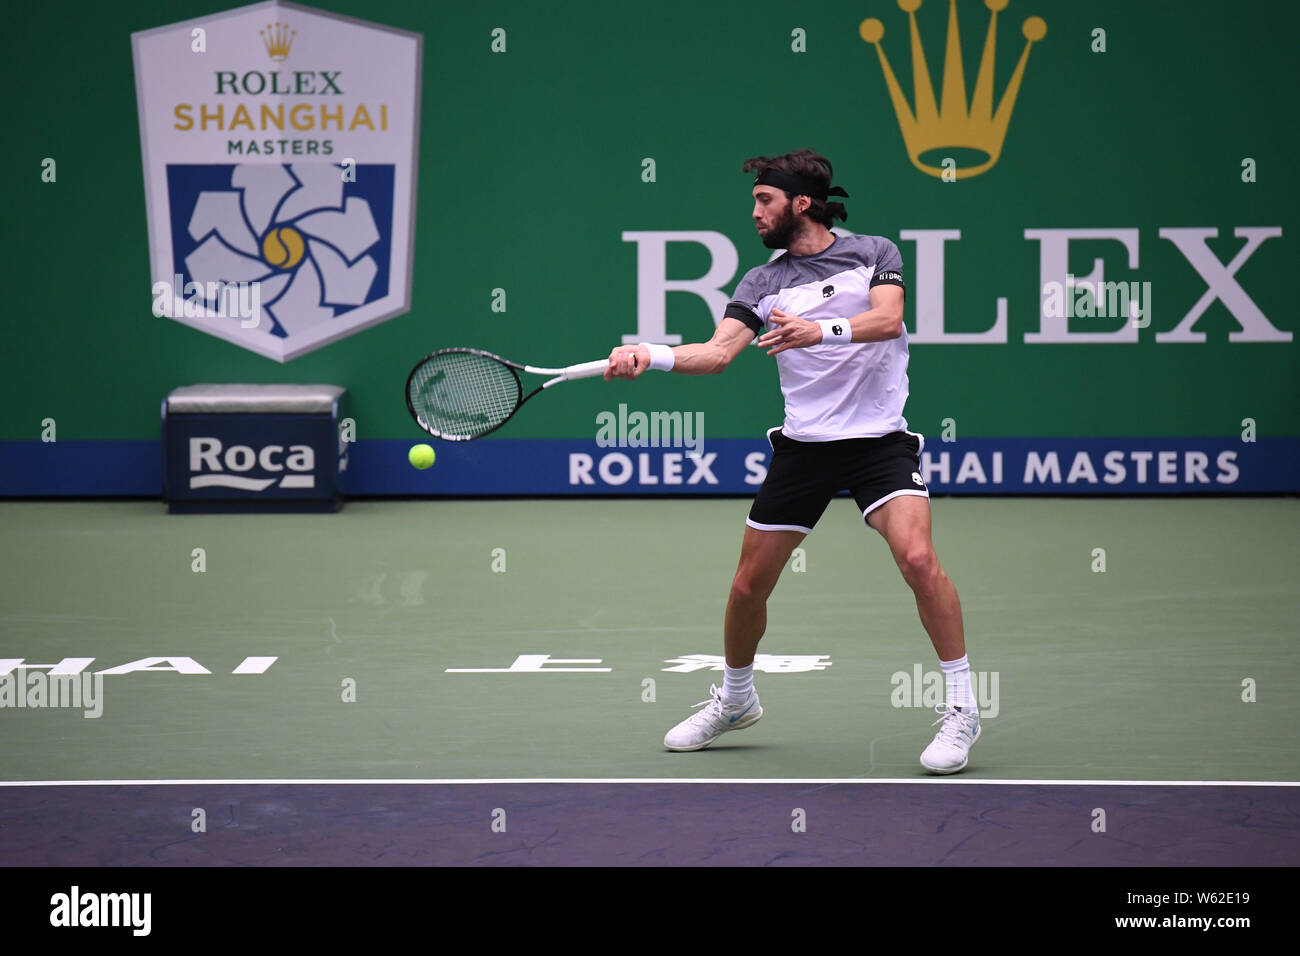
702 358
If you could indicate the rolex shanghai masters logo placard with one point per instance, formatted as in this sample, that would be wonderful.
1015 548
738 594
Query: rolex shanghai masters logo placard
953 138
279 148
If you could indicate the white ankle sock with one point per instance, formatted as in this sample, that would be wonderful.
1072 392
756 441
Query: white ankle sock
957 677
737 683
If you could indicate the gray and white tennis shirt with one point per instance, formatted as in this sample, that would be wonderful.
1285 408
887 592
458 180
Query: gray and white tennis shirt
854 390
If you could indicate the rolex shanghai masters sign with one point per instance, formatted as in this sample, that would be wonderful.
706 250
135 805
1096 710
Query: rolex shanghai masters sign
279 149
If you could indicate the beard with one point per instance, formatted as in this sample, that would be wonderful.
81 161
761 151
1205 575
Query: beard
783 232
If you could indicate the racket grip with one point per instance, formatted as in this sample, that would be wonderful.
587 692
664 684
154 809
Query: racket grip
586 369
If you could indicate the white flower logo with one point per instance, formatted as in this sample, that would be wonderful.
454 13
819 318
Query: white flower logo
288 228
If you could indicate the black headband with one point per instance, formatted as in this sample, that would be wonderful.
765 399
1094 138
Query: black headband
797 185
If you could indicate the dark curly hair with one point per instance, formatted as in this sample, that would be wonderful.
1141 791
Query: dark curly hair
809 165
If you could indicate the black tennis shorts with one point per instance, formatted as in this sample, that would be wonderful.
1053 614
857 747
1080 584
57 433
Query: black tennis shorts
804 476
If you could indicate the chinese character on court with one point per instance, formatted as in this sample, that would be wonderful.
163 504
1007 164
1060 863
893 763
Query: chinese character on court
764 663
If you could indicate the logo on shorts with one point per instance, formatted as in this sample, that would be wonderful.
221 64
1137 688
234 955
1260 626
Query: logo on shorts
916 477
828 291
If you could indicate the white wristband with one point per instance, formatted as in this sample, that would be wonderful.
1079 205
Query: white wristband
836 331
661 357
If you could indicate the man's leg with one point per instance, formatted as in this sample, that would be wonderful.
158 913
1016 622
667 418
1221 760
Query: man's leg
904 522
763 555
793 498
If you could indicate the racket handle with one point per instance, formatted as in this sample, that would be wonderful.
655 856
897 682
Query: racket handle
585 370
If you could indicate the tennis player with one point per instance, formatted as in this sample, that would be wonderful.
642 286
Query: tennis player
830 309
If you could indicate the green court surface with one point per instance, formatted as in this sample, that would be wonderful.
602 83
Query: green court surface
1134 673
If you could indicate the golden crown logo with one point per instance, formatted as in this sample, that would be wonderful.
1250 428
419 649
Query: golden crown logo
952 124
278 39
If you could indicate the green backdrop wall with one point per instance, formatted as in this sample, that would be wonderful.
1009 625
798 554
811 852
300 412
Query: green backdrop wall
531 169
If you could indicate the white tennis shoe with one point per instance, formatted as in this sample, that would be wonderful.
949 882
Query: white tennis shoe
704 727
950 749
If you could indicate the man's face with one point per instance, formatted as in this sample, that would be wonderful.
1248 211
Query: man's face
774 218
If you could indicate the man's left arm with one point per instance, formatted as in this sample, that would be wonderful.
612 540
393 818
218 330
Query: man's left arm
883 321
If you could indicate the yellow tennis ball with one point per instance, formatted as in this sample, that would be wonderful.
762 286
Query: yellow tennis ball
421 456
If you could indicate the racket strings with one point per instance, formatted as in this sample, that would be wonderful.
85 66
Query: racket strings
461 394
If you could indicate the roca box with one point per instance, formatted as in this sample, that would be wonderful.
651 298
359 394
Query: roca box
253 448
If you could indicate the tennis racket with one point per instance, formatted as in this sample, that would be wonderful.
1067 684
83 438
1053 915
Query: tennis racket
462 394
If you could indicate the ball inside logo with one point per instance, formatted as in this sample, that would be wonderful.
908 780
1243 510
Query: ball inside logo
283 247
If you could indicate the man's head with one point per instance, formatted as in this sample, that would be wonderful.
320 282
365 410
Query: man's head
790 195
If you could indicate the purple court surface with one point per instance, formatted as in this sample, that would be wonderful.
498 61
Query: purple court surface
649 824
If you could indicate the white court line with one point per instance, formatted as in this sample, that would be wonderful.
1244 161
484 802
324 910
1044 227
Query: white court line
408 781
